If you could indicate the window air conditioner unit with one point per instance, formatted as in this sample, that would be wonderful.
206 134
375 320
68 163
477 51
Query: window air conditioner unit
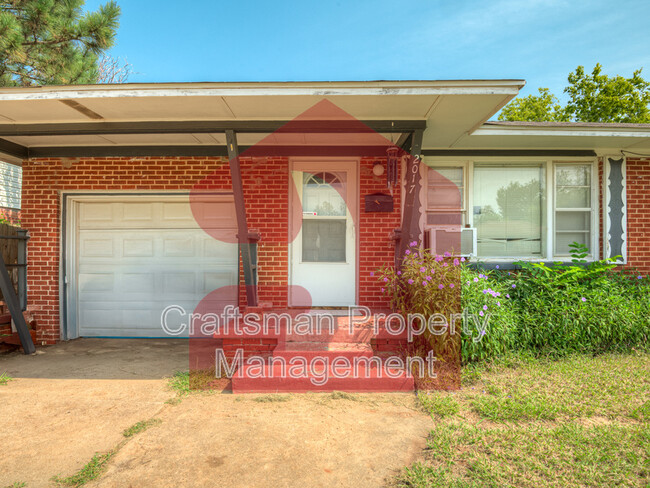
446 238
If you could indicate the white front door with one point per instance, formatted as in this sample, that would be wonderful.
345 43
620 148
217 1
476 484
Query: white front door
323 254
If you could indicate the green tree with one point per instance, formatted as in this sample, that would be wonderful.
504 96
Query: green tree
52 41
537 108
592 98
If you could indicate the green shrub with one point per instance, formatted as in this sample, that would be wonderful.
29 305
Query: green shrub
542 309
559 309
591 308
486 299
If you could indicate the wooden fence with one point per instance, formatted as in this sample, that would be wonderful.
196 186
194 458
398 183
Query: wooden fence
13 245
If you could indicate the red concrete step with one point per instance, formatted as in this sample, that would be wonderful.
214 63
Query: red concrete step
342 333
310 350
271 380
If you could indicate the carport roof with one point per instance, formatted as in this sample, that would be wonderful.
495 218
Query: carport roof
190 118
63 120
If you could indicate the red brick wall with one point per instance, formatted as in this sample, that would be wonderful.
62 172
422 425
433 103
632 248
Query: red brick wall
375 247
638 213
266 189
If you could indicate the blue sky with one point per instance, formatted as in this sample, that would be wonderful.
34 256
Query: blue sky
540 41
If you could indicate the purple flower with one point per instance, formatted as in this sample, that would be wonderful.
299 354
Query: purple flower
372 273
451 285
441 286
444 265
447 254
423 269
462 260
497 266
410 282
456 262
399 273
424 282
583 299
514 286
498 304
639 277
484 292
507 295
481 275
385 280
428 278
407 252
481 313
475 280
414 243
439 257
484 307
383 290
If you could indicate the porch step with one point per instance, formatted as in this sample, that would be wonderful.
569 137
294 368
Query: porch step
249 379
343 334
330 350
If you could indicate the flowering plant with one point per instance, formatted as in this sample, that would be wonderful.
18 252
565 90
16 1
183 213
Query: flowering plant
426 284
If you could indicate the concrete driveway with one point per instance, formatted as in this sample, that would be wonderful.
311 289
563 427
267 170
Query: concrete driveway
74 399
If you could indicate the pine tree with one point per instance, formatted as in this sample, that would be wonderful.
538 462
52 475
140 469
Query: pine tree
45 42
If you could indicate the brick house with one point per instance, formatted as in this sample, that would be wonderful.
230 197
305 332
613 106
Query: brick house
120 227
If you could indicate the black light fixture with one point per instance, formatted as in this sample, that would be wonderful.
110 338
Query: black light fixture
392 166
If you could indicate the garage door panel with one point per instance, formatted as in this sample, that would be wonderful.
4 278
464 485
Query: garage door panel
138 248
127 275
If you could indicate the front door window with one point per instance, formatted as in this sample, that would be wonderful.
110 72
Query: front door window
324 218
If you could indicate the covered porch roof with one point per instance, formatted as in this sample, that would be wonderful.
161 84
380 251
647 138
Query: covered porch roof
178 119
190 119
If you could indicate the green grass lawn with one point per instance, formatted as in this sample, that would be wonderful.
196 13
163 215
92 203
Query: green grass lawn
581 421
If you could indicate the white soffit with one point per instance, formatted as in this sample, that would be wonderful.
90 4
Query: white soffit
597 137
451 108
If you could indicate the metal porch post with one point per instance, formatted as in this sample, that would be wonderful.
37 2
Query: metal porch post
245 245
410 230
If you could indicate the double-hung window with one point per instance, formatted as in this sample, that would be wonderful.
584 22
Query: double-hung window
519 209
573 206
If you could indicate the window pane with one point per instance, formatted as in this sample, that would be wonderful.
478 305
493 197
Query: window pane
445 188
323 240
562 241
574 175
322 194
572 220
508 210
573 197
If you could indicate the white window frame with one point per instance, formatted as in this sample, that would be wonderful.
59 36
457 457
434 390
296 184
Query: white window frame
594 232
464 166
549 189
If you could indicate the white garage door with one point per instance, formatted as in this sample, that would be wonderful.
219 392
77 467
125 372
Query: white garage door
138 255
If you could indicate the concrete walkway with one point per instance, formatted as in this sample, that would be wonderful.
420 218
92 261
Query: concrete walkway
74 399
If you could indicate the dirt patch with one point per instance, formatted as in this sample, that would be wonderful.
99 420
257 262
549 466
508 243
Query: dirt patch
75 399
310 440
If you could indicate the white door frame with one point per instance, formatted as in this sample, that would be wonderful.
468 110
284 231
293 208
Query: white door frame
326 162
